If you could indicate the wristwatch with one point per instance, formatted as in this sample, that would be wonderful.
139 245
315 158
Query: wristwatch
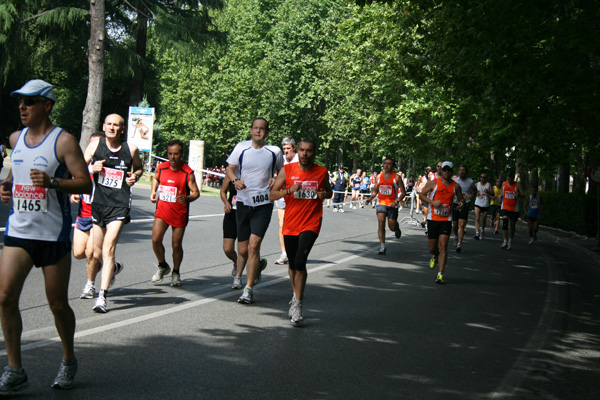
53 183
234 181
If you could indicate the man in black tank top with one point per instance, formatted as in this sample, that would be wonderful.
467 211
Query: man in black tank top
116 167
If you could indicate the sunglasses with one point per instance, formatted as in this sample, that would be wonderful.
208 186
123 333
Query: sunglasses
29 102
483 177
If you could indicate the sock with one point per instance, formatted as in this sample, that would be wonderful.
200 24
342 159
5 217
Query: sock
175 271
163 264
92 283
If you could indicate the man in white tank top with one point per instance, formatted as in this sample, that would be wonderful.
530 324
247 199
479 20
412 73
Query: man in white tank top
38 232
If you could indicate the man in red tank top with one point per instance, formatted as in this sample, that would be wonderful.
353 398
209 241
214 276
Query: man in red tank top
304 185
177 190
438 194
390 190
511 191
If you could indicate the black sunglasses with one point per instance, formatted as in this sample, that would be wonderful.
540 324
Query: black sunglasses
29 102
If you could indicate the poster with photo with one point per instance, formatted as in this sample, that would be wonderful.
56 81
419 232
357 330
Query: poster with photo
140 126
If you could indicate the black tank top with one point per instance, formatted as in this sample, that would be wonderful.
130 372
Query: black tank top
110 188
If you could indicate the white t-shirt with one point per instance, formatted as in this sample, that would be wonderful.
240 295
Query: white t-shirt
466 185
281 202
255 167
483 200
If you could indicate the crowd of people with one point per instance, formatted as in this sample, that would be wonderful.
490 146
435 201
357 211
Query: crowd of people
49 171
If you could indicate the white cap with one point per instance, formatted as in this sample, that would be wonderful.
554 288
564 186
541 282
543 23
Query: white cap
36 87
447 164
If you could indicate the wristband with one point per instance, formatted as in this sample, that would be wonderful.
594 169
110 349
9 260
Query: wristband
281 192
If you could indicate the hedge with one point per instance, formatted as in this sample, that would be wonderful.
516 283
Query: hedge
570 212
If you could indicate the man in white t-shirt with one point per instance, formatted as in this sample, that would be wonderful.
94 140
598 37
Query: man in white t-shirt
252 167
288 145
460 215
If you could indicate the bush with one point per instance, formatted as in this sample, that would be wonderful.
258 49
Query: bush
570 212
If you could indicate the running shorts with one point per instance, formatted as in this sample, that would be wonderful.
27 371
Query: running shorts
437 228
390 212
43 253
253 220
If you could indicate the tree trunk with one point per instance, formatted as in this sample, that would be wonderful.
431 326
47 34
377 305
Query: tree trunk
355 155
93 102
137 85
534 178
563 178
580 177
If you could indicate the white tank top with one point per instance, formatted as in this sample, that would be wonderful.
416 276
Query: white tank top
38 213
482 200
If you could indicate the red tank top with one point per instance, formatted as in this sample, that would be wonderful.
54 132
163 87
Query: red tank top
303 209
509 197
172 184
445 194
388 189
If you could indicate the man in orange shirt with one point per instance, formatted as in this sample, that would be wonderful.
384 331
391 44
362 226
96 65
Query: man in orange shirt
304 185
438 194
511 191
390 189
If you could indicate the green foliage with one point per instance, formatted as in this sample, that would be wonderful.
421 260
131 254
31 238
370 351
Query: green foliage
571 212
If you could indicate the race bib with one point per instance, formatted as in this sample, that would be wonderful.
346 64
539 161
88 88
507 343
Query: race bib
510 195
234 202
167 194
29 198
481 194
112 178
259 198
443 210
534 204
385 190
308 190
87 199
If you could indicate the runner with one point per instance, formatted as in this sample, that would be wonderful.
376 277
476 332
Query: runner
177 190
288 146
495 204
355 182
482 205
364 188
83 243
511 191
461 214
38 229
229 199
339 181
306 186
252 165
116 167
533 205
390 190
439 194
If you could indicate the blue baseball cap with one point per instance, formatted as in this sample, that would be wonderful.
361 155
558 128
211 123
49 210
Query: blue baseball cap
36 87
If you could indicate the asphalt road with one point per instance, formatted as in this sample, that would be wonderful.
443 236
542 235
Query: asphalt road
507 324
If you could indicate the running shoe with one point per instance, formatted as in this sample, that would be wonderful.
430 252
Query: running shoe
491 224
335 209
504 245
297 313
496 231
160 273
440 278
423 224
118 268
530 241
481 237
458 247
234 270
89 291
282 260
247 296
398 232
476 237
433 262
13 380
101 304
66 375
292 301
175 279
341 210
509 246
237 283
382 249
263 265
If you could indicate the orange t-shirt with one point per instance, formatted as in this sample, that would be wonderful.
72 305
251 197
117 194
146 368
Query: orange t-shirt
303 209
445 194
509 197
388 189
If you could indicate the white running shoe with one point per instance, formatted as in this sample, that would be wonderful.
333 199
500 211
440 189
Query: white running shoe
175 279
160 273
509 246
292 301
247 296
282 260
335 209
341 210
504 244
101 305
297 313
89 291
237 283
530 241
